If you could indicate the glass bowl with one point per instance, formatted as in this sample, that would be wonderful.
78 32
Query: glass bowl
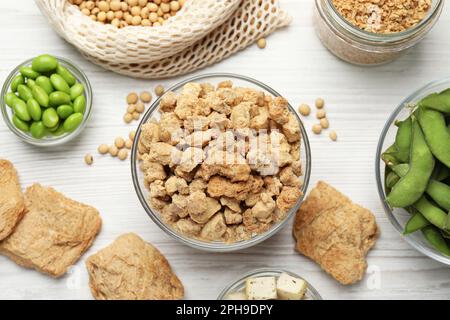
397 216
239 284
47 141
142 192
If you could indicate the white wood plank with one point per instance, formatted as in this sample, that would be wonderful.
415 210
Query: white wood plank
359 100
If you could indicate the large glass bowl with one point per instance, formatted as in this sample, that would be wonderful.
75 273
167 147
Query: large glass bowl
49 140
399 217
142 192
239 284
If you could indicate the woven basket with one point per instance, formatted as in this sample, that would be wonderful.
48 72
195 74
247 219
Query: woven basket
137 44
253 20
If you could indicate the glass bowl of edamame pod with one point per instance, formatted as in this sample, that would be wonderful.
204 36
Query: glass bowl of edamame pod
46 101
412 170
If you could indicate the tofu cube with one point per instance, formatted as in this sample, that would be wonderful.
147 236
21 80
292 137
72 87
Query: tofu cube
239 295
290 288
262 288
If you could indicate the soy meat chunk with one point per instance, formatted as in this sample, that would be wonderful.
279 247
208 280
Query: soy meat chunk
272 185
163 153
150 133
219 121
232 217
152 170
291 129
289 178
168 102
188 227
240 116
288 198
219 186
279 110
261 119
264 207
214 229
176 184
230 165
201 207
231 203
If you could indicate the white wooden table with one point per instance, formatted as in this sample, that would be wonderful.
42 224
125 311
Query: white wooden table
295 63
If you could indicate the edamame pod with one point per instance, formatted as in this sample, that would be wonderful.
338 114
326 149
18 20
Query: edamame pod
391 179
436 134
44 63
440 193
64 111
412 186
34 109
432 213
24 92
58 98
72 122
434 237
442 172
437 101
50 118
41 96
403 140
27 72
66 74
37 129
21 125
401 169
20 110
79 105
415 223
16 81
10 97
59 83
31 83
76 90
45 83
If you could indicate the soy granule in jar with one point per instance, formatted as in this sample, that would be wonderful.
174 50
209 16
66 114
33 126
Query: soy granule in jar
383 16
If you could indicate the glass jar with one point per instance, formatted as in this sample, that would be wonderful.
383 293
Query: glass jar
357 46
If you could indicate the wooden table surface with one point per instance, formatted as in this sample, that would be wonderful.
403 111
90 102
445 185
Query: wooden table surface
295 63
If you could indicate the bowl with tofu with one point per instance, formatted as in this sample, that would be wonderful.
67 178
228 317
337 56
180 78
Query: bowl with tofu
270 284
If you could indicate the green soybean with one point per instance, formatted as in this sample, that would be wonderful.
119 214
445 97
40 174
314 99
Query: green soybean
391 179
76 90
403 140
50 118
54 128
415 223
21 110
10 97
45 83
41 96
60 131
66 74
24 92
389 156
434 237
20 124
436 134
31 83
37 129
44 63
72 122
412 186
64 111
59 83
437 101
27 72
440 193
79 105
16 81
34 109
58 98
432 213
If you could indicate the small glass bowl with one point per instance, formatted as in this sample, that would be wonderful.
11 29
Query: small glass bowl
47 141
239 284
399 217
142 192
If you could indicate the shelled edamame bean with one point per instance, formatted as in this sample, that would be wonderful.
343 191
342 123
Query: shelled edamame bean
418 170
46 98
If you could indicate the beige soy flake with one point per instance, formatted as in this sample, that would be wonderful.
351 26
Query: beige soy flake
333 135
317 128
103 149
88 159
262 43
132 98
304 109
122 154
